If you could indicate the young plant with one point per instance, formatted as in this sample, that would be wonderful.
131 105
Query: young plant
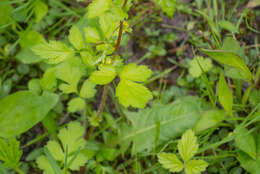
187 147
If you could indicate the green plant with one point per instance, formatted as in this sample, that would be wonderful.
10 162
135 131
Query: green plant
187 148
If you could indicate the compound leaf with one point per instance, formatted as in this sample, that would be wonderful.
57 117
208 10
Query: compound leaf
98 7
195 166
170 161
104 75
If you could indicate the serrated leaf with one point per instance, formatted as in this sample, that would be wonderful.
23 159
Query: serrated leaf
195 166
53 52
170 161
88 89
22 110
132 94
188 145
92 35
230 59
104 75
44 165
72 136
135 73
69 71
171 120
10 153
40 10
76 104
198 64
80 160
75 37
55 150
98 7
225 95
245 141
88 59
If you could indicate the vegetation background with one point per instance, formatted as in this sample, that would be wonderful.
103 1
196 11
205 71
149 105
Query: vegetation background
129 86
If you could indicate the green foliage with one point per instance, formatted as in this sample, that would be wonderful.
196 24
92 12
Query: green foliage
40 10
209 118
168 6
104 75
130 93
198 65
88 89
53 52
76 104
76 38
162 121
225 95
98 7
10 153
187 148
71 139
22 110
245 141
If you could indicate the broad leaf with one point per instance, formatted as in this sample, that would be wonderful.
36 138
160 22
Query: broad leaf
160 122
229 58
54 52
225 95
132 94
44 164
22 110
105 75
249 164
135 73
195 167
209 119
98 7
228 26
168 6
88 89
170 161
245 141
188 145
92 35
76 104
76 38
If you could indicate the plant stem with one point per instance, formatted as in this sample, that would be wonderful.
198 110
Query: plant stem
18 170
106 87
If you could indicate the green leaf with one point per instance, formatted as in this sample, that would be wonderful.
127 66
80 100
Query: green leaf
132 94
88 89
209 119
225 95
40 10
92 35
70 71
135 73
230 59
195 166
160 122
230 44
88 59
168 6
228 26
22 110
248 163
98 7
55 150
44 164
76 104
80 160
54 52
72 136
34 86
10 153
198 64
6 12
188 145
75 37
48 80
245 141
104 75
170 161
